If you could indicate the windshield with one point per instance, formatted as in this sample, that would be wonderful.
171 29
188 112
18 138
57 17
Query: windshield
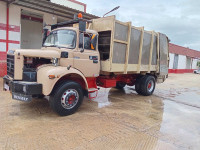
61 38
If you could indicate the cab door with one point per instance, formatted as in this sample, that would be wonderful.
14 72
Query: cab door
86 59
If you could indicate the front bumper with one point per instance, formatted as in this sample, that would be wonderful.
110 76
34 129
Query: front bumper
22 90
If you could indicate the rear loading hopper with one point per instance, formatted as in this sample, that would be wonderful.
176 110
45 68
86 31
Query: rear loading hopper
126 49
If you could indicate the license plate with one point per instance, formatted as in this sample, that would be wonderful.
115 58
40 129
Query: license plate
21 97
6 87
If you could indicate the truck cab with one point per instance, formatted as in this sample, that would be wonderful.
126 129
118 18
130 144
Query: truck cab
69 42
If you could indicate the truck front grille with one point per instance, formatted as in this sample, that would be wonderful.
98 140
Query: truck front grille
10 65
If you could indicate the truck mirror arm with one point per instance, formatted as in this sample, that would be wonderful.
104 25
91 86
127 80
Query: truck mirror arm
82 50
45 32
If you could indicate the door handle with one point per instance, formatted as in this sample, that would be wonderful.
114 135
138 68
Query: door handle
95 61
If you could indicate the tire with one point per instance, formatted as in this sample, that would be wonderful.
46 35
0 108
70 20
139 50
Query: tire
66 98
147 85
120 85
138 84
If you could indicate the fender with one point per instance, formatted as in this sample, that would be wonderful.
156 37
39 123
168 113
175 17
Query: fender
43 73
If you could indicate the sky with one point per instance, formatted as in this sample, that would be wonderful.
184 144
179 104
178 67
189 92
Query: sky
178 19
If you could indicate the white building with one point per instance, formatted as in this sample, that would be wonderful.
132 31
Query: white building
182 59
21 22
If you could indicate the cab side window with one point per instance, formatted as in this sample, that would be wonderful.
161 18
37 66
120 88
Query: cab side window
87 41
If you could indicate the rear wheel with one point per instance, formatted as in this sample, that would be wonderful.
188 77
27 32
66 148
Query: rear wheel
120 85
145 85
148 85
66 98
138 85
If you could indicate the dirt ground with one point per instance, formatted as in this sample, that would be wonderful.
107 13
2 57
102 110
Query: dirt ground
167 120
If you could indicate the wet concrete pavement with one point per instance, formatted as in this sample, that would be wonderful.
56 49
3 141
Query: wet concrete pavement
167 120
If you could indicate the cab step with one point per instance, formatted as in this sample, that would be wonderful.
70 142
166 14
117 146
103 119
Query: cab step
92 93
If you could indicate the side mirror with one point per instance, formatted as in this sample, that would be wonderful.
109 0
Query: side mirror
94 41
82 26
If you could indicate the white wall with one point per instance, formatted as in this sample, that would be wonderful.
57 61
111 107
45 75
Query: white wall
194 63
69 4
49 19
2 25
14 25
14 22
188 63
3 12
181 62
171 60
14 15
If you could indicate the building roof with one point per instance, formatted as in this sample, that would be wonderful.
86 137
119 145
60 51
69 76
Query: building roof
176 49
51 8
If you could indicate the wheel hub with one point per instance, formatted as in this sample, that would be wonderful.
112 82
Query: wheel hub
69 98
150 86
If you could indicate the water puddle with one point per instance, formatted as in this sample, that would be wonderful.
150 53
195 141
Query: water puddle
190 97
181 113
102 97
103 93
129 89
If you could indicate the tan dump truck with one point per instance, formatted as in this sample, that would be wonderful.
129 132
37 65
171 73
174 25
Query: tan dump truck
79 55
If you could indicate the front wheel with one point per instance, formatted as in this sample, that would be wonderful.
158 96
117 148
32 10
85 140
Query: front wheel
66 98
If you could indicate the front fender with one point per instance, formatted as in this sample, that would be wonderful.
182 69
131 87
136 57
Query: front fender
48 84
